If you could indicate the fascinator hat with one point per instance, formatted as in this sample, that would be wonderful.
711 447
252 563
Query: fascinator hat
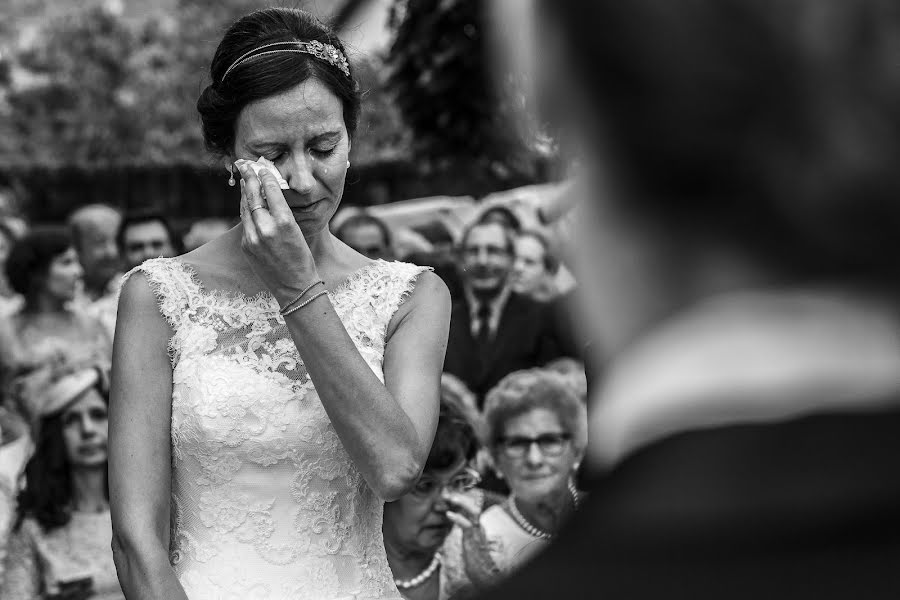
50 389
61 393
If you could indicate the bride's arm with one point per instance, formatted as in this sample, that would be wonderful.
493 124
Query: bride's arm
139 446
387 429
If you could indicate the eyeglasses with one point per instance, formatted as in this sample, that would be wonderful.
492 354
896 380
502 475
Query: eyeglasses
550 444
428 486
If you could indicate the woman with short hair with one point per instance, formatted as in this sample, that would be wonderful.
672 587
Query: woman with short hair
535 429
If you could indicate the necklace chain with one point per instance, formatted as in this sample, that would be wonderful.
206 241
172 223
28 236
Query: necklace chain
405 584
527 526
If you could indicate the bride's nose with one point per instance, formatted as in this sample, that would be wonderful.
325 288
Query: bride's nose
301 174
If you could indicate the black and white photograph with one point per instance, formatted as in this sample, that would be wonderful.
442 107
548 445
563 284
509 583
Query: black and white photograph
449 299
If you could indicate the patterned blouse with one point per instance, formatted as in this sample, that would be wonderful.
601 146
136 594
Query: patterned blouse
38 561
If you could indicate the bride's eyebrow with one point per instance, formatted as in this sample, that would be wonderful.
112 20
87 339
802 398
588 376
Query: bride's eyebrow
326 137
255 146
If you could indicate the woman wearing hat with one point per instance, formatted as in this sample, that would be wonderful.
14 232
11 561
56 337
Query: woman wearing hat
60 547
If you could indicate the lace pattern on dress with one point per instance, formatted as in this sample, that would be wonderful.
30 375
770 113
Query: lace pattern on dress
261 482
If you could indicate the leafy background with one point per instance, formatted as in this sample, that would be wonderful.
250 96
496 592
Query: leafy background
98 103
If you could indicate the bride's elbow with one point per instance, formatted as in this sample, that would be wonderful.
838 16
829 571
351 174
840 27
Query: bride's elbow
394 483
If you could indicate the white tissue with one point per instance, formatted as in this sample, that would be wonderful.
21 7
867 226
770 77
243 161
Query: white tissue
264 163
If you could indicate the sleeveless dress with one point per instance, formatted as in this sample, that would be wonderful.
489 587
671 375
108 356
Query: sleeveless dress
266 503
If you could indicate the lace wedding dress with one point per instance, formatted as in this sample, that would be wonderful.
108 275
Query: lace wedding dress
266 503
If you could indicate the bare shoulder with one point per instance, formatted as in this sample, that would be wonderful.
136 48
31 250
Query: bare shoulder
139 313
429 291
428 303
136 292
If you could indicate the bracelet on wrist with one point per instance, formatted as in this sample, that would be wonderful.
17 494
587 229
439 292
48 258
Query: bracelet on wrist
284 309
304 303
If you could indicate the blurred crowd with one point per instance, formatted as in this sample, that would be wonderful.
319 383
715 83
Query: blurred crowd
513 396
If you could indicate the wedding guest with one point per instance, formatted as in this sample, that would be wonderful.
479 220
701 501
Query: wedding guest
60 547
503 216
418 526
142 236
368 235
534 267
204 231
535 427
44 268
494 330
94 228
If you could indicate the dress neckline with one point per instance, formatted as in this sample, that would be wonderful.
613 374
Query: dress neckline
264 298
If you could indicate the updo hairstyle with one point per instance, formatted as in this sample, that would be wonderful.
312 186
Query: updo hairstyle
267 75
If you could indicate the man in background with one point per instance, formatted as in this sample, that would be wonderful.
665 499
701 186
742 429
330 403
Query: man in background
143 236
94 228
494 330
368 235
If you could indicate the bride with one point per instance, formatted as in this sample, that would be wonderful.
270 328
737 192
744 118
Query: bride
272 388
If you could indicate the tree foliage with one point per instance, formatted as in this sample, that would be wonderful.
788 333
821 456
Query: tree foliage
439 71
94 89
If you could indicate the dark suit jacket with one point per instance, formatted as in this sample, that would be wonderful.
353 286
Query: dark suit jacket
526 337
808 508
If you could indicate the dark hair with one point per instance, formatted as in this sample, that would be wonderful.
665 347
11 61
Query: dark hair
508 234
506 215
266 75
455 438
362 219
140 218
30 257
551 263
756 120
47 496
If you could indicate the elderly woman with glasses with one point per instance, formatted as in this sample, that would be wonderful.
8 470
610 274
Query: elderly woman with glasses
426 529
535 429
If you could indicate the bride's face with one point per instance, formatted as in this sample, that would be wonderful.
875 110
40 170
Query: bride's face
303 132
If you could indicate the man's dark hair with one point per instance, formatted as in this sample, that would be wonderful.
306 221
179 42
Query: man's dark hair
361 220
140 218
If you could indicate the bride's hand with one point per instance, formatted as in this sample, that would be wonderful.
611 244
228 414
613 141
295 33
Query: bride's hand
272 242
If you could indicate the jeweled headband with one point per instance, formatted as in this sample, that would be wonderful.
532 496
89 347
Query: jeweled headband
325 52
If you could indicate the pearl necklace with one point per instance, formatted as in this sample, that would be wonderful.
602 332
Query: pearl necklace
526 525
405 584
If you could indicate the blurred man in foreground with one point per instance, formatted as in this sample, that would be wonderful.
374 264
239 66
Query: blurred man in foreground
740 233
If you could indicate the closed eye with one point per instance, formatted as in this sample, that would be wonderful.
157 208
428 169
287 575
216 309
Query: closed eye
324 151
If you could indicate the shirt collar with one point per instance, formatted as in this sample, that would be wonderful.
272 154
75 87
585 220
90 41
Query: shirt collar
495 304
